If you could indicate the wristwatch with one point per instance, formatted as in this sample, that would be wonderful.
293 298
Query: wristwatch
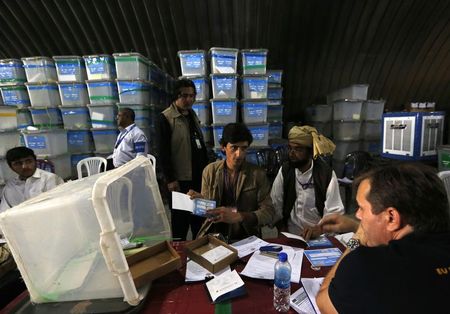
353 244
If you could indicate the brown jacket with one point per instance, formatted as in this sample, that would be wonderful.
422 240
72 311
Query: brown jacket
180 142
252 194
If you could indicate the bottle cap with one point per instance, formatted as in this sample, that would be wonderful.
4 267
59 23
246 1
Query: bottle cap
282 257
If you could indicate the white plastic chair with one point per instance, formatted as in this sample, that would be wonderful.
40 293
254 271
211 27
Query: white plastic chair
445 177
153 161
93 166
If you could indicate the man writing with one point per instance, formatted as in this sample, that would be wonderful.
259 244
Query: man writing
30 180
305 188
240 189
131 141
399 258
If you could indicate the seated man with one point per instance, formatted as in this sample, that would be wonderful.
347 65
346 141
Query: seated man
30 182
306 188
241 189
399 258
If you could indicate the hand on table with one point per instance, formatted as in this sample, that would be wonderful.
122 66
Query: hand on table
228 215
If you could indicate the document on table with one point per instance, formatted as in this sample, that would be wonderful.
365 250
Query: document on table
216 254
248 245
196 272
261 266
224 285
196 206
323 257
293 236
304 299
343 238
319 242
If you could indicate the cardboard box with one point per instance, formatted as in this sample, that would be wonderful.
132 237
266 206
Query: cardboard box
153 262
196 248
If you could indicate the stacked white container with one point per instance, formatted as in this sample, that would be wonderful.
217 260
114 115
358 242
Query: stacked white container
102 98
137 78
371 129
13 111
254 98
193 65
71 72
275 108
347 109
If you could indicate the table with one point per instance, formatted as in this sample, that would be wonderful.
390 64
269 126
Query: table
170 293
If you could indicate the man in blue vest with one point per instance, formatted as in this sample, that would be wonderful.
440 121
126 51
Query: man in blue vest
306 188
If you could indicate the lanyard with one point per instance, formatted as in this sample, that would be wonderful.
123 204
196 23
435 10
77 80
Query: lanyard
122 136
306 185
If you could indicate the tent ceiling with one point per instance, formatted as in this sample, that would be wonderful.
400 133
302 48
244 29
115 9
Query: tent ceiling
400 48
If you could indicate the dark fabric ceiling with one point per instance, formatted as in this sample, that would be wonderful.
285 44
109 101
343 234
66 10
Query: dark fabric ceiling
400 48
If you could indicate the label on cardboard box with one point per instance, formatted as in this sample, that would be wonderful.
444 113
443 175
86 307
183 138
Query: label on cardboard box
217 254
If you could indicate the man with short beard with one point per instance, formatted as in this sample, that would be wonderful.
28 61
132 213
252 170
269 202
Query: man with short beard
306 188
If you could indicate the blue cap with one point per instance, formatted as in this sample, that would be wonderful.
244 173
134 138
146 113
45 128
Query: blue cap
282 257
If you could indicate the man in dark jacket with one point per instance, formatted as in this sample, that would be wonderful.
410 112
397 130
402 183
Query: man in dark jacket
182 153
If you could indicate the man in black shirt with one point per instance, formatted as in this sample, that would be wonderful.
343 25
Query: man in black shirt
399 259
182 153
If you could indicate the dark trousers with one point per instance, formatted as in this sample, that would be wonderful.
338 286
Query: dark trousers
182 220
109 164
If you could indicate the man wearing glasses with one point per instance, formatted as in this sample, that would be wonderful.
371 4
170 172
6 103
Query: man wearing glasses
306 188
241 190
182 153
31 181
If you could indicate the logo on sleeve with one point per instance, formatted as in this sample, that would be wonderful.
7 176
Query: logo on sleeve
443 271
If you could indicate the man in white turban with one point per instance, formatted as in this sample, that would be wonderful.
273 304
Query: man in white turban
306 188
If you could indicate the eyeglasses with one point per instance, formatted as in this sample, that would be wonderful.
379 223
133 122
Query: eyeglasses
188 96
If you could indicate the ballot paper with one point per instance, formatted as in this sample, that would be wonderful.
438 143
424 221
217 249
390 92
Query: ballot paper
198 206
225 286
217 254
323 257
248 245
304 299
261 266
343 238
196 272
293 236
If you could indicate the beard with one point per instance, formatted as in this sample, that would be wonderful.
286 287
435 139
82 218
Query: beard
299 163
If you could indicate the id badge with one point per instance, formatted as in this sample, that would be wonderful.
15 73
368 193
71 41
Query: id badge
199 145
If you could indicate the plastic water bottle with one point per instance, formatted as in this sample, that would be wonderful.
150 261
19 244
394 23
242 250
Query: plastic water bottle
282 283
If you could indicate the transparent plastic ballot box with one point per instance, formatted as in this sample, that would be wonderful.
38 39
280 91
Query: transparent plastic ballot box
67 241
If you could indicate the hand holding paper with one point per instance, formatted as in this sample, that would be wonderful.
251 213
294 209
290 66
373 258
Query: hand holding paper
196 206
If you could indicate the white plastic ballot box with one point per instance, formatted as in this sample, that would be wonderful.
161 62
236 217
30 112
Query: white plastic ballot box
67 241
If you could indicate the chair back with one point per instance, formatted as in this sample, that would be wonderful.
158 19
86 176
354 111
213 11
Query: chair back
93 165
45 165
